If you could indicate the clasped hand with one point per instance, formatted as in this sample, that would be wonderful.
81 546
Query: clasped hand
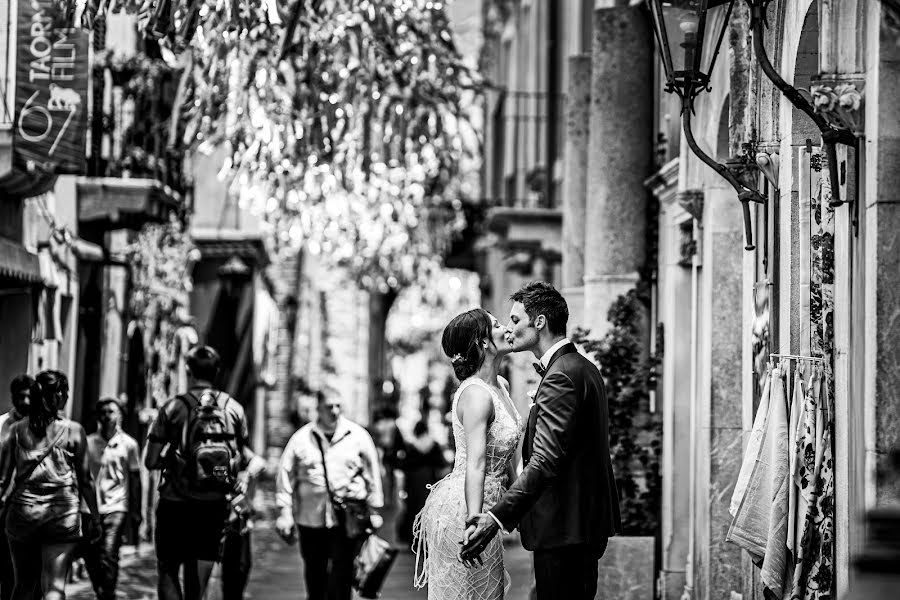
480 530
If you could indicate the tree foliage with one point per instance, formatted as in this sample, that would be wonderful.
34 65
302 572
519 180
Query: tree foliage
635 434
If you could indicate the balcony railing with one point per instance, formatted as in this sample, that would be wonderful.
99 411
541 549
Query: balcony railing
524 142
133 106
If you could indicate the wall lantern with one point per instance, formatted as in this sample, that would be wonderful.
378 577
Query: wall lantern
680 27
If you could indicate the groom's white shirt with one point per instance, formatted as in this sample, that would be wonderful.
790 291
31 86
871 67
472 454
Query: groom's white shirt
545 361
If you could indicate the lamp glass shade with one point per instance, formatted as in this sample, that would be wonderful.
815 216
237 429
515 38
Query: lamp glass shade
687 47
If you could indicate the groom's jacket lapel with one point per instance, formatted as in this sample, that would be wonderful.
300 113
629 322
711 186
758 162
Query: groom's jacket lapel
567 349
532 415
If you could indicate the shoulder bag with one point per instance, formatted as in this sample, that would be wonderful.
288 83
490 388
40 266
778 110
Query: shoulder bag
353 515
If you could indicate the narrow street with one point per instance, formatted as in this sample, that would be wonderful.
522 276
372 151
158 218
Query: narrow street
278 573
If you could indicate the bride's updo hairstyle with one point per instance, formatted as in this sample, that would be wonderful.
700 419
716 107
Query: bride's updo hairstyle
462 341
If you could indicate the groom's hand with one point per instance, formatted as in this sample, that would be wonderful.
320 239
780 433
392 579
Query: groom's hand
480 530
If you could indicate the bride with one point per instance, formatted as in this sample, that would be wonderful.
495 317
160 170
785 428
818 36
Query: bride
486 429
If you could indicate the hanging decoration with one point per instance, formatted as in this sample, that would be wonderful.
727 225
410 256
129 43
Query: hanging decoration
348 123
162 259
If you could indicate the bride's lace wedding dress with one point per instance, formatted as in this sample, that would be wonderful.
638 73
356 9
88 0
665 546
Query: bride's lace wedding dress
439 528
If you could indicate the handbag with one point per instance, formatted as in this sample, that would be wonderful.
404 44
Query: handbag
371 566
353 515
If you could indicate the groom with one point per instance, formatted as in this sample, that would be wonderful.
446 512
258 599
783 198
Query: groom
565 501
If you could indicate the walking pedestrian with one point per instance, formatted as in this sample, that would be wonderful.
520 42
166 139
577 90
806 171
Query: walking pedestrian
197 440
49 455
114 461
20 396
237 550
422 464
389 442
329 472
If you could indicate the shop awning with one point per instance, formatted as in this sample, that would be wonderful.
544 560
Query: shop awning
17 263
113 203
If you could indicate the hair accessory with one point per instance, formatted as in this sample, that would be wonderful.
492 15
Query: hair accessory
457 358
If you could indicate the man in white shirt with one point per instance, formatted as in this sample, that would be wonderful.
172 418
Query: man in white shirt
20 395
114 460
352 466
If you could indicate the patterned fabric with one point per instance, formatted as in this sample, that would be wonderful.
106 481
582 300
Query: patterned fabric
440 526
813 576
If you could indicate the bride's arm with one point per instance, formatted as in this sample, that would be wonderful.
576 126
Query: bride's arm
475 410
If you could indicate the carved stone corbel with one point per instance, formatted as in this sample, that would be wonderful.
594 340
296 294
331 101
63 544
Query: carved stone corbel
692 202
842 103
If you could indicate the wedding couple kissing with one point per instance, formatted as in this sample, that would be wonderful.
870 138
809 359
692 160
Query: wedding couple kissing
564 502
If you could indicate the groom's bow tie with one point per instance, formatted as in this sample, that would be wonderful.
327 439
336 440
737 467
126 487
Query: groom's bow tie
539 369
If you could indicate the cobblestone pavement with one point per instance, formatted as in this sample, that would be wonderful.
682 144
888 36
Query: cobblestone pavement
277 572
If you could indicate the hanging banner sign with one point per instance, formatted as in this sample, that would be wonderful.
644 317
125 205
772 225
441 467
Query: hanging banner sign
51 91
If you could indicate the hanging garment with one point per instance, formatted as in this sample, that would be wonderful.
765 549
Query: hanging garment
753 445
794 425
760 525
813 569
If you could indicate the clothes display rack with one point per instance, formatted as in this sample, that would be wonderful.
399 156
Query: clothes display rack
797 357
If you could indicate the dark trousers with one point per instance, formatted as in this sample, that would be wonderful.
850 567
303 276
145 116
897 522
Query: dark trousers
102 558
328 562
568 572
236 564
7 575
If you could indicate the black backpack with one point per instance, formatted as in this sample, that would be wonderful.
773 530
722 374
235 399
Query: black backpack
208 444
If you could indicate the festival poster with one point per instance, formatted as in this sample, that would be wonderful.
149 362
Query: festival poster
51 90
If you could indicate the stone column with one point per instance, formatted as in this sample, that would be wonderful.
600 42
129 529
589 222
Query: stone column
719 424
619 154
574 200
115 299
881 232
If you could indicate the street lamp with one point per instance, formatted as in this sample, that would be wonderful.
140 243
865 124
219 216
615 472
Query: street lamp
680 27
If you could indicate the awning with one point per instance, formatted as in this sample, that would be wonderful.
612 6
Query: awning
17 263
225 243
114 203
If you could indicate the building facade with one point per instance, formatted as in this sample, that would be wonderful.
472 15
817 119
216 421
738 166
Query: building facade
816 285
625 203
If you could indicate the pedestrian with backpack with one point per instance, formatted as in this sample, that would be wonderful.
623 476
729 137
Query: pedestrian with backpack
199 440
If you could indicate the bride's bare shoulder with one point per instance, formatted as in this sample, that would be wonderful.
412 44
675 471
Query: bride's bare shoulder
475 402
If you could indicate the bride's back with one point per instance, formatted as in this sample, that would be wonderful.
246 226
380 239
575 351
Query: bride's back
502 435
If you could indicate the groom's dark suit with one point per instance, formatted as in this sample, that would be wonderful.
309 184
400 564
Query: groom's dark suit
565 501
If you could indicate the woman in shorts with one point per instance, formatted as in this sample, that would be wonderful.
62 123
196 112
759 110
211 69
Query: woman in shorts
47 453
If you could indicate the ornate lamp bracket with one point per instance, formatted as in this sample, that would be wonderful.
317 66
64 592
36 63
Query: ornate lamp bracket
831 135
746 193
